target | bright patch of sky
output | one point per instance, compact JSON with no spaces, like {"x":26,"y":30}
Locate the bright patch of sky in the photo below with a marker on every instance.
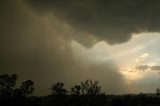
{"x":142,"y":49}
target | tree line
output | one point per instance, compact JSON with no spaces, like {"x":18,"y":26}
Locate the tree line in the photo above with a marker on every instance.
{"x":87,"y":93}
{"x":8,"y":87}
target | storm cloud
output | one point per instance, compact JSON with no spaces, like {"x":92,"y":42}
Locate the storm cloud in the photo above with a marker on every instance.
{"x":103,"y":20}
{"x":37,"y":47}
{"x":36,"y":39}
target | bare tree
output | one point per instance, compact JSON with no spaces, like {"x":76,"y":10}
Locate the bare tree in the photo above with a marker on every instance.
{"x":90,"y":87}
{"x":76,"y":89}
{"x":27,"y":87}
{"x":7,"y":84}
{"x":58,"y":89}
{"x":158,"y":91}
{"x":17,"y":93}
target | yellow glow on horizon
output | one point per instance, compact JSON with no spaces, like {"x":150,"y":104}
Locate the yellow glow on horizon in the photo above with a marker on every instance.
{"x":130,"y":74}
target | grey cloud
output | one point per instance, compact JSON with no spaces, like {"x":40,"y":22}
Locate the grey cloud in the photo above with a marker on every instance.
{"x":145,"y":67}
{"x":142,"y":67}
{"x":109,"y":20}
{"x":155,"y":68}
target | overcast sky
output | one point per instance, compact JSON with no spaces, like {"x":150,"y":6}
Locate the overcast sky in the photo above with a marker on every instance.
{"x":113,"y":41}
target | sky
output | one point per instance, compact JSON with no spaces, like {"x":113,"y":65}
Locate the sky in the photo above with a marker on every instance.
{"x":113,"y":41}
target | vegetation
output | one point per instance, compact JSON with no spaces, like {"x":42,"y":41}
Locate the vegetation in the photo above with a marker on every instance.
{"x":58,"y":89}
{"x":87,"y":93}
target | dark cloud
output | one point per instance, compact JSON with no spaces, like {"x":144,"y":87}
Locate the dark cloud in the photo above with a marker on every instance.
{"x":146,"y":67}
{"x":142,"y":67}
{"x":38,"y":48}
{"x":155,"y":68}
{"x":110,"y":20}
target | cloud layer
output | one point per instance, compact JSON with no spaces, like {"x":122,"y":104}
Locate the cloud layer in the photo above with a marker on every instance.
{"x":38,"y":48}
{"x":108,"y":20}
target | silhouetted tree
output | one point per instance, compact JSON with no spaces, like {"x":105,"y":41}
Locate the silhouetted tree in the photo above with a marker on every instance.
{"x":17,"y":93}
{"x":158,"y":91}
{"x":76,"y":90}
{"x":58,"y":89}
{"x":7,"y":84}
{"x":90,"y":87}
{"x":27,"y":87}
